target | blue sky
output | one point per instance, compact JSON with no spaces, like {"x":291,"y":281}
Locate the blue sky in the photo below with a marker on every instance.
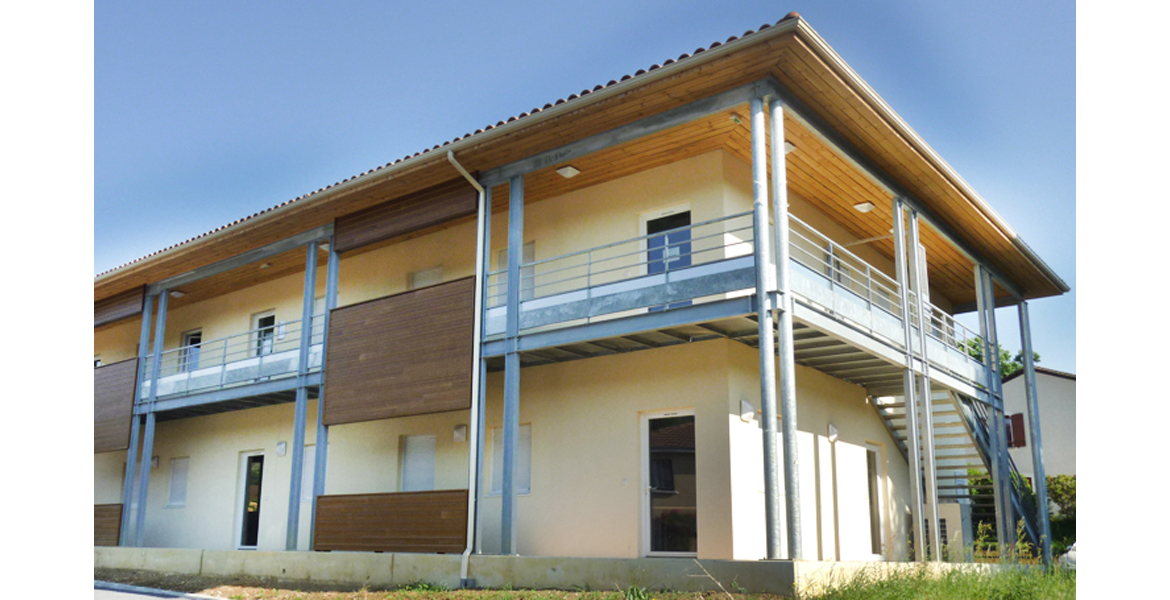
{"x":207,"y":112}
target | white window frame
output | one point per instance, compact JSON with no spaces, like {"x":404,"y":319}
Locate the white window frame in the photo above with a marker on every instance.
{"x":404,"y":459}
{"x":185,"y":349}
{"x":254,"y":348}
{"x":527,"y":274}
{"x":883,"y":521}
{"x":523,"y":459}
{"x":185,"y":471}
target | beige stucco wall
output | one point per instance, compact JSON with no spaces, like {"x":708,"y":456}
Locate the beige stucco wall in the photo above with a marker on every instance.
{"x":214,"y":445}
{"x":587,"y":483}
{"x":1057,"y":399}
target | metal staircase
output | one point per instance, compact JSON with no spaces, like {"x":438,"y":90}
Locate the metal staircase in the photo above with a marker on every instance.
{"x":962,"y":456}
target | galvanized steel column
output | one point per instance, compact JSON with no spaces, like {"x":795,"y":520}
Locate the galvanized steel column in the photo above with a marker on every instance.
{"x":1039,"y":482}
{"x":921,"y":287}
{"x":785,"y":346}
{"x":912,"y":450}
{"x":128,"y":480}
{"x":321,"y":453}
{"x":512,"y":366}
{"x":985,"y":300}
{"x":143,"y":483}
{"x":767,"y":349}
{"x":300,"y":414}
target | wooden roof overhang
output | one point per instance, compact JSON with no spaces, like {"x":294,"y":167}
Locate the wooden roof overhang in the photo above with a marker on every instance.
{"x":790,"y":52}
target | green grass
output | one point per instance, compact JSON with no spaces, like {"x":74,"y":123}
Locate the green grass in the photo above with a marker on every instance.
{"x":1005,"y":584}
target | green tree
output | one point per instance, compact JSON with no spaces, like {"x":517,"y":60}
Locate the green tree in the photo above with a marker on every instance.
{"x":1008,"y":364}
{"x":1062,"y":491}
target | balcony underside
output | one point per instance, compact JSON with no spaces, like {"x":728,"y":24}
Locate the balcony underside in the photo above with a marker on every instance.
{"x":821,"y":342}
{"x":266,"y":393}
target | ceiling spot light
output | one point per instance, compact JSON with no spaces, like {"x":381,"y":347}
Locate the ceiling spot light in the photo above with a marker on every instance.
{"x":177,"y":294}
{"x":568,"y":171}
{"x":864,"y":207}
{"x":789,"y":147}
{"x":735,"y":118}
{"x":265,"y":265}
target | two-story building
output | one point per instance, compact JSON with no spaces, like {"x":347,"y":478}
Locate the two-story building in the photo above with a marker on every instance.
{"x":682,"y":313}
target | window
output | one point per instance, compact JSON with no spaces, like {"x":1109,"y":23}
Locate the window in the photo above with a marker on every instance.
{"x":264,"y":332}
{"x":1015,"y":431}
{"x":425,"y":278}
{"x":307,"y":471}
{"x":178,"y":492}
{"x":523,"y":461}
{"x":872,"y":461}
{"x":527,"y":274}
{"x":418,"y":463}
{"x":189,"y":354}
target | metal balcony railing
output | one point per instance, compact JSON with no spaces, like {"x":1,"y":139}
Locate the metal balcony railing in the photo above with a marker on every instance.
{"x":650,"y":272}
{"x":260,"y":354}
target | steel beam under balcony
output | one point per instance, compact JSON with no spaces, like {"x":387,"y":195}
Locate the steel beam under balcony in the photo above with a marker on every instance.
{"x":234,"y":398}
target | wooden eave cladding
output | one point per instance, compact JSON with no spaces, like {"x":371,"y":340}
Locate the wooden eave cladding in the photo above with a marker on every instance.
{"x":107,"y":524}
{"x":424,"y":522}
{"x":791,"y":53}
{"x":410,"y":213}
{"x":115,"y":308}
{"x":113,"y":403}
{"x":401,"y":355}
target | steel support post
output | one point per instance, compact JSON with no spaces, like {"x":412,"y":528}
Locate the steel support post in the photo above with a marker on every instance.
{"x":1005,"y":483}
{"x":124,"y":537}
{"x":921,"y":286}
{"x":300,"y":414}
{"x":144,"y":479}
{"x":512,"y":367}
{"x":985,"y":301}
{"x":785,"y":346}
{"x":767,"y":349}
{"x":1039,"y":482}
{"x":143,"y":483}
{"x":913,"y":454}
{"x":321,"y":452}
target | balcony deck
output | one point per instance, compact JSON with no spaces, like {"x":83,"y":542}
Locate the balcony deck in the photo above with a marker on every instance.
{"x":623,"y":298}
{"x":259,"y":367}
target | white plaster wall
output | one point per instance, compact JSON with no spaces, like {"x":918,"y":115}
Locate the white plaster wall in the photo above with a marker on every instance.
{"x":1057,"y":398}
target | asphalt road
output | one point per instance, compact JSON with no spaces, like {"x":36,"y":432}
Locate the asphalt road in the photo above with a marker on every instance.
{"x":104,"y":590}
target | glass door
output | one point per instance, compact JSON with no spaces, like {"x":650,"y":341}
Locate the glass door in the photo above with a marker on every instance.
{"x":669,"y":511}
{"x":253,"y":476}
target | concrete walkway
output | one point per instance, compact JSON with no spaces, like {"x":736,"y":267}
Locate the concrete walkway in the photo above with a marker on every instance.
{"x":105,"y":590}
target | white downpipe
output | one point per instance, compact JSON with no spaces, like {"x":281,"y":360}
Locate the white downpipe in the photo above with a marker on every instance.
{"x":477,"y":331}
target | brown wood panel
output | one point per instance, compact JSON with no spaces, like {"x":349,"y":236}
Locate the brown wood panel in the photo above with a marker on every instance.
{"x":107,"y":524}
{"x":432,"y":522}
{"x":116,"y":308}
{"x":432,"y":206}
{"x":113,"y":403}
{"x":406,"y":354}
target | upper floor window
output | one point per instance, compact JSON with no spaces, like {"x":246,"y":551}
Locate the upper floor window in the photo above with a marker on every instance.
{"x":527,"y":274}
{"x":264,"y":336}
{"x":189,"y":354}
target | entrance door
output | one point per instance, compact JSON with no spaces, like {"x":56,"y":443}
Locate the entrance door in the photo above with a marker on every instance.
{"x":669,"y":251}
{"x":669,"y":515}
{"x":250,"y":481}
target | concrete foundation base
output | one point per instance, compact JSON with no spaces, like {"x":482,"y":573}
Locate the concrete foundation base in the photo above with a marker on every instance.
{"x":518,"y":572}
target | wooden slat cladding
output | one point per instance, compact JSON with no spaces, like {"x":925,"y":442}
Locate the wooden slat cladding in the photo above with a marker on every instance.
{"x":407,"y":354}
{"x":431,"y":522}
{"x":427,"y":208}
{"x":107,"y":524}
{"x":116,"y":308}
{"x":113,"y":403}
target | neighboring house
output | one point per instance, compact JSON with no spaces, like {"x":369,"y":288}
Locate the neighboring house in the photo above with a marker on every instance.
{"x":1057,"y":397}
{"x":378,"y":365}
